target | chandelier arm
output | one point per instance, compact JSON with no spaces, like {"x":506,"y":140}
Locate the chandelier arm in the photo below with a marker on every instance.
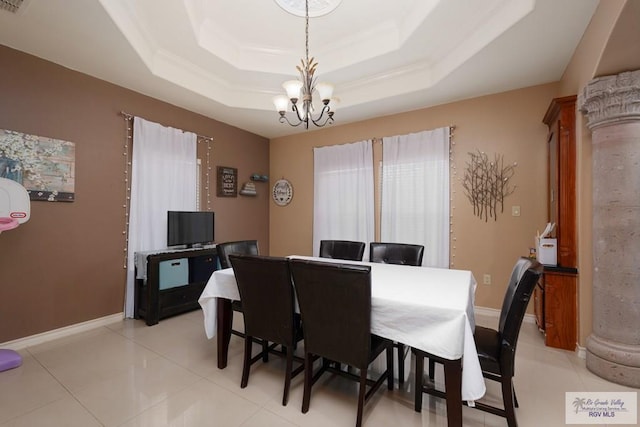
{"x":317,"y":123}
{"x":325,"y":109}
{"x":329,"y":118}
{"x":284,"y":118}
{"x":296,"y":110}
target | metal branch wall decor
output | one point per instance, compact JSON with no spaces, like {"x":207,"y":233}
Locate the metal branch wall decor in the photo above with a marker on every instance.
{"x":486,"y":183}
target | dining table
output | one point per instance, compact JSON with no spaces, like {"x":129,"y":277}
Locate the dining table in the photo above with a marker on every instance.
{"x":430,"y":309}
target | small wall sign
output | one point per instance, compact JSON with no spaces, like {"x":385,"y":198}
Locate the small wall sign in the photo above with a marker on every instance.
{"x":282,"y":192}
{"x":227,"y":182}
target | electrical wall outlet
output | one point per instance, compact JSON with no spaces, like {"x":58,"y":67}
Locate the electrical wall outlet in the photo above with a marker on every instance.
{"x":486,"y":279}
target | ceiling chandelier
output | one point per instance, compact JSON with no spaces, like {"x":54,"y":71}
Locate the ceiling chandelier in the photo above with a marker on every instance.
{"x":300,"y":92}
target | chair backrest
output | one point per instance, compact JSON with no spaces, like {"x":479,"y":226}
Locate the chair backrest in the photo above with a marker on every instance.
{"x":342,"y":249}
{"x":526,"y":273}
{"x":396,"y":253}
{"x":241,"y":247}
{"x":267,"y":297}
{"x":335,"y":305}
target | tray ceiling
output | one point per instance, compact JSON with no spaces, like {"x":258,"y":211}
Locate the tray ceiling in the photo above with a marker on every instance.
{"x":226,"y":59}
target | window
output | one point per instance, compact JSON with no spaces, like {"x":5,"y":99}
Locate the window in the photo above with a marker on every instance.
{"x":415,"y":193}
{"x":343,"y":193}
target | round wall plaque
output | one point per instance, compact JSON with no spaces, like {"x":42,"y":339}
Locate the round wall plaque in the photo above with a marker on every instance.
{"x":282,"y":192}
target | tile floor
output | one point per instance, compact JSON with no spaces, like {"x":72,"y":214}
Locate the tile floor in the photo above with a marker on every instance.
{"x":129,"y":374}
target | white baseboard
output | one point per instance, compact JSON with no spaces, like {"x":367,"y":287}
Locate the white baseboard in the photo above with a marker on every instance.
{"x":581,"y":352}
{"x":66,"y":331}
{"x":118,"y":317}
{"x":492,"y":312}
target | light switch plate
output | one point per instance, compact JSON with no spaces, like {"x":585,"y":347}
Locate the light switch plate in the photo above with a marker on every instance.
{"x":515,"y":210}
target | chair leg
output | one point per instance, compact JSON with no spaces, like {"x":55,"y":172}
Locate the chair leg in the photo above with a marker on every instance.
{"x":418,"y":382}
{"x":362,"y":391}
{"x":308,"y":379}
{"x":390,"y":368}
{"x":265,"y":351}
{"x":287,"y":375}
{"x":432,"y":370}
{"x":515,"y":398}
{"x":453,"y":387}
{"x":508,"y":401}
{"x":246,"y":366}
{"x":400,"y":347}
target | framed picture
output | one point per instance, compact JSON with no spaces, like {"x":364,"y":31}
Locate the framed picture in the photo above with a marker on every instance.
{"x":227,"y":182}
{"x":44,"y":166}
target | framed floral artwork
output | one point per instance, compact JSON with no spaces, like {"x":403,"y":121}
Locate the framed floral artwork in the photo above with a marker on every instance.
{"x":44,"y":166}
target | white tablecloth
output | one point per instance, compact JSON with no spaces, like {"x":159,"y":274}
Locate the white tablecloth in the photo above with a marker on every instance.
{"x":430,"y":309}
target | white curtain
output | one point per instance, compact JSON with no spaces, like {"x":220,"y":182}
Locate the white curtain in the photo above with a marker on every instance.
{"x":163,"y":178}
{"x":343,"y":206}
{"x":415,"y":193}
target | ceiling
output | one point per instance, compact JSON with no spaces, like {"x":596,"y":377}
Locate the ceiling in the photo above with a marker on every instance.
{"x":227,"y":59}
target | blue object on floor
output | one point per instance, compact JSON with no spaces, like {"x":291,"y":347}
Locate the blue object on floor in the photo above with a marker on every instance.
{"x":9,"y":359}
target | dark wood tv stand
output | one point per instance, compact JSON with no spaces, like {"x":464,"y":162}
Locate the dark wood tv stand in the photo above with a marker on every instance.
{"x":153,"y":303}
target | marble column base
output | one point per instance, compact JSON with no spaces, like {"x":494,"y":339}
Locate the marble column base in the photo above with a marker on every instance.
{"x":615,"y":362}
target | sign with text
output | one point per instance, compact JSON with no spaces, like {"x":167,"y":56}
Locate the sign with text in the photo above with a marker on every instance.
{"x":601,"y":407}
{"x":227,"y":182}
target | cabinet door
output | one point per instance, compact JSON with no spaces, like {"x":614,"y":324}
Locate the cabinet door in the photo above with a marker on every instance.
{"x":567,"y":243}
{"x":560,"y":118}
{"x":560,"y":310}
{"x":538,"y":305}
{"x":552,"y":191}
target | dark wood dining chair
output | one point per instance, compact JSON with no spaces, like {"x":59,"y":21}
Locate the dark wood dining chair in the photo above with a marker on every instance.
{"x":335,"y":305}
{"x":396,"y":253}
{"x":402,"y":254}
{"x":239,"y":247}
{"x":496,"y":348}
{"x":267,"y":298}
{"x":342,"y":249}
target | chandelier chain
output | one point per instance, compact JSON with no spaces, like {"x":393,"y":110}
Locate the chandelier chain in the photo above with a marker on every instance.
{"x":306,"y":30}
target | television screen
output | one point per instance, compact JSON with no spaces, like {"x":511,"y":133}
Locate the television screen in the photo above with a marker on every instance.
{"x":189,"y":228}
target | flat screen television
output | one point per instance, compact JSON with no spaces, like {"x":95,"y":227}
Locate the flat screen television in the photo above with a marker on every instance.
{"x":190,"y":228}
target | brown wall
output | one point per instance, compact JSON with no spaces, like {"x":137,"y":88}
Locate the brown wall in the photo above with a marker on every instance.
{"x":498,"y":123}
{"x":65,"y":265}
{"x":43,"y":286}
{"x":509,"y":124}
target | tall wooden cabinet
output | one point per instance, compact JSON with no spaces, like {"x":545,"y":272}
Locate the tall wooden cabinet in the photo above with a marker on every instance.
{"x":555,"y":297}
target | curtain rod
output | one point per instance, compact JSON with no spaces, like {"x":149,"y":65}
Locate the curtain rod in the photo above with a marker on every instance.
{"x":378,"y":139}
{"x":128,"y":116}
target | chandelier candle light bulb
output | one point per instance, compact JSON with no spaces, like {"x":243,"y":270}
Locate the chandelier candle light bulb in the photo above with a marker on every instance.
{"x":325,"y":90}
{"x":303,"y":90}
{"x":293,"y":89}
